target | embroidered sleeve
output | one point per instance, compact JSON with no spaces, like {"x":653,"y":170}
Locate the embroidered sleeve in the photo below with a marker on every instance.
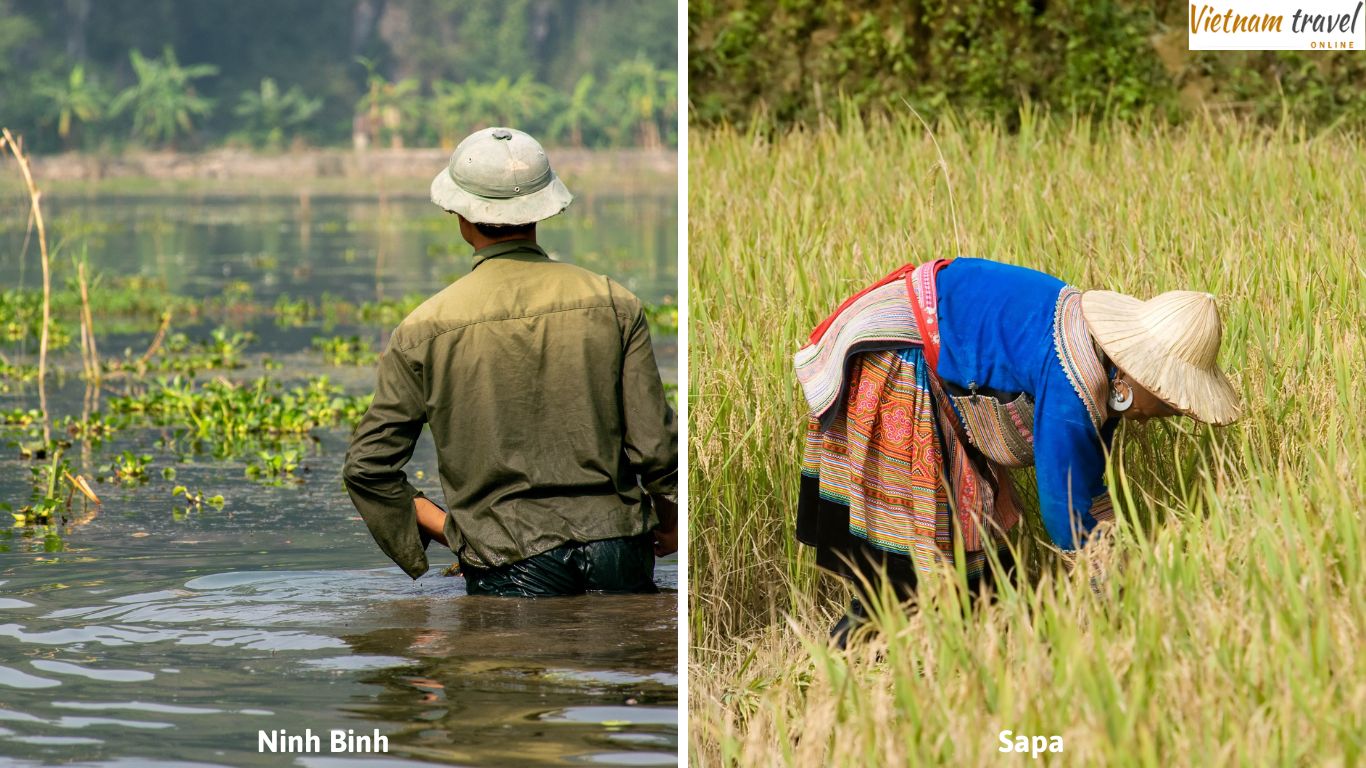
{"x":1077,"y":356}
{"x":879,"y":319}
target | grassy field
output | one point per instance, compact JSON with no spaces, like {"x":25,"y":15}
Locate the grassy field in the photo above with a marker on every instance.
{"x":1228,"y":630}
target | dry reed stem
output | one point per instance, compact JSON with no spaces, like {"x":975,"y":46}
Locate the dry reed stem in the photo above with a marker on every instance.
{"x":35,"y":197}
{"x":156,"y":340}
{"x":90,"y":355}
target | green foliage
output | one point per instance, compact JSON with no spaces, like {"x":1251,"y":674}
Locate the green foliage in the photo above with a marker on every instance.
{"x":70,"y":101}
{"x":663,"y":319}
{"x":345,"y":350}
{"x":223,"y":350}
{"x":130,"y":468}
{"x":163,"y":101}
{"x":21,"y":320}
{"x":458,"y":109}
{"x":292,"y":313}
{"x":267,"y":113}
{"x":196,"y":500}
{"x":226,"y":415}
{"x":781,"y":62}
{"x":388,"y":108}
{"x":644,"y":98}
{"x":388,"y":312}
{"x":47,"y":498}
{"x":504,"y":61}
{"x":276,"y":467}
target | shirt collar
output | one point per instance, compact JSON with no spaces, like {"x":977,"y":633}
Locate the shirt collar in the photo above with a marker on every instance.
{"x":508,"y":247}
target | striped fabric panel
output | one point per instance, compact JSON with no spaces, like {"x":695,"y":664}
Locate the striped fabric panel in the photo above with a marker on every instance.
{"x":1102,"y":508}
{"x":883,"y":458}
{"x":882,"y":315}
{"x":1077,"y":354}
{"x":1004,"y":432}
{"x":812,"y":447}
{"x":893,"y":455}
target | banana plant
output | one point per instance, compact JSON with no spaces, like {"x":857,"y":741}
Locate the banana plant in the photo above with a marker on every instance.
{"x":75,"y":100}
{"x":163,"y":101}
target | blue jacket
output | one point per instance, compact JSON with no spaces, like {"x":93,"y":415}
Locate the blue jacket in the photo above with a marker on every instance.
{"x":997,"y":331}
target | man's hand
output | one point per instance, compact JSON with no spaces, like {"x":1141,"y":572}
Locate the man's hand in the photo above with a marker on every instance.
{"x":431,"y":519}
{"x":666,"y":533}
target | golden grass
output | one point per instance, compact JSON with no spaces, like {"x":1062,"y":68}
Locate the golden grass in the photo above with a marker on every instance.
{"x":1229,"y":627}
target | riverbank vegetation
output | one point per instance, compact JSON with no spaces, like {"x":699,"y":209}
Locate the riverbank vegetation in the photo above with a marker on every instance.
{"x":1226,"y":629}
{"x":772,"y":64}
{"x":105,"y":76}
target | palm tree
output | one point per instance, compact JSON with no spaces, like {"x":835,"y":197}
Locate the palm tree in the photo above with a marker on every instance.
{"x":268,"y":112}
{"x":528,"y":103}
{"x":644,"y":95}
{"x":385,"y":105}
{"x":163,"y":101}
{"x":449,"y":108}
{"x":576,"y":113}
{"x":76,"y":100}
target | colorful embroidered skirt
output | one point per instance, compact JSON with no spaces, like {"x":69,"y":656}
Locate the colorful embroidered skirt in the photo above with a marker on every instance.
{"x":889,"y":483}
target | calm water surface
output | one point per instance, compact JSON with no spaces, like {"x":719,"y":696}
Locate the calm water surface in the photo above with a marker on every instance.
{"x":138,"y":636}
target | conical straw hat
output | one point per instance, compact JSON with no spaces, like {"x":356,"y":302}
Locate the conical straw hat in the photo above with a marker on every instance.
{"x":1169,"y":344}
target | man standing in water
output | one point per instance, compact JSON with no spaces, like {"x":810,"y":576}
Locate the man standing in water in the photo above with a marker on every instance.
{"x":557,"y":450}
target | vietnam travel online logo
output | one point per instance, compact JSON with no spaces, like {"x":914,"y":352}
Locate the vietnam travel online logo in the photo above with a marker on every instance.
{"x":1262,"y":25}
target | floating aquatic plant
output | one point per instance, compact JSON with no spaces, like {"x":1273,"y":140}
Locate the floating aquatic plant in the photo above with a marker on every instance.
{"x":223,"y":413}
{"x":196,"y":500}
{"x":276,"y":467}
{"x":345,"y":350}
{"x":130,"y":468}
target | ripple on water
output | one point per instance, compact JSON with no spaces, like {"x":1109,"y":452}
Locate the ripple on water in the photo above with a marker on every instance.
{"x":138,"y":706}
{"x":612,"y":677}
{"x":56,"y":741}
{"x":260,"y":640}
{"x":10,"y":603}
{"x":15,"y":679}
{"x":358,"y":762}
{"x":108,"y":675}
{"x":615,"y":715}
{"x":356,"y":663}
{"x":69,"y":721}
{"x":627,"y":758}
{"x":262,"y":598}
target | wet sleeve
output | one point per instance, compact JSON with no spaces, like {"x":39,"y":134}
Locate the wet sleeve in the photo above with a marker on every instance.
{"x":1069,"y":459}
{"x":381,"y":445}
{"x":650,"y":428}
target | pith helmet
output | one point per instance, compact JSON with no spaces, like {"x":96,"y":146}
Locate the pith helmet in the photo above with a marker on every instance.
{"x":1170,"y":345}
{"x":500,"y":176}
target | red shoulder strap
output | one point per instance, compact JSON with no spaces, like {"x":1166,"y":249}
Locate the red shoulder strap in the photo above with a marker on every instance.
{"x":924,"y":295}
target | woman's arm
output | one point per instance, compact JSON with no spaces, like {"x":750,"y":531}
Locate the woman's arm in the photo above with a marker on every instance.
{"x":1069,"y":461}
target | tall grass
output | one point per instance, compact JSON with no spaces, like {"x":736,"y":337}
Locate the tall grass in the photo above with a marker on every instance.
{"x":1229,"y":628}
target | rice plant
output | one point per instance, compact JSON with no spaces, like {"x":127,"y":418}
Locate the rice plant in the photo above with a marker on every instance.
{"x":1227,"y":629}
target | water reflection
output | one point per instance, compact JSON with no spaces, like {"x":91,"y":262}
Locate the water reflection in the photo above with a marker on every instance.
{"x":513,"y":681}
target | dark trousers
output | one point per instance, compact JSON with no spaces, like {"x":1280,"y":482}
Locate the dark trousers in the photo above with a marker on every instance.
{"x":622,"y":565}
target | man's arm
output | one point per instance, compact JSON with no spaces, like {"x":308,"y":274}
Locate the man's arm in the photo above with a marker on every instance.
{"x":650,"y":429}
{"x":431,"y":519}
{"x":381,"y":445}
{"x":666,"y":533}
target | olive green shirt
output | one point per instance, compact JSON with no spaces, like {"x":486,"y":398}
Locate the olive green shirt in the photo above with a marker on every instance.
{"x":539,"y":383}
